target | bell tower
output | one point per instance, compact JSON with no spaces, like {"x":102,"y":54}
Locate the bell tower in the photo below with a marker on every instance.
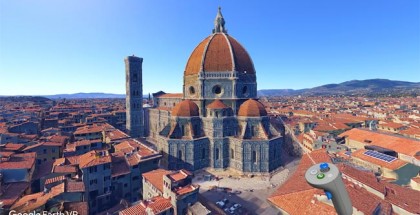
{"x":134,"y":96}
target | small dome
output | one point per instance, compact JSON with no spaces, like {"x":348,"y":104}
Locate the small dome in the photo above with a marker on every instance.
{"x":252,"y":108}
{"x":217,"y":104}
{"x":185,"y":108}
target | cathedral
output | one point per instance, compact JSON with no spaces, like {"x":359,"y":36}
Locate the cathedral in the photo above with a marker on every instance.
{"x":217,"y":122}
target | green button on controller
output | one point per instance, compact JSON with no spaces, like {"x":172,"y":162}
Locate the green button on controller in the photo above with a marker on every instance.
{"x":320,"y":176}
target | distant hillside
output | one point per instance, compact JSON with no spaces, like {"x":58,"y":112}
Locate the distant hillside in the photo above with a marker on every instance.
{"x":36,"y":99}
{"x":354,"y":87}
{"x":369,"y":87}
{"x":86,"y":96}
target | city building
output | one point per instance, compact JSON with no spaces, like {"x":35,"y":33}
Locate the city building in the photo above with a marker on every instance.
{"x":368,"y":193}
{"x":404,"y":148}
{"x":134,"y":96}
{"x":219,"y":123}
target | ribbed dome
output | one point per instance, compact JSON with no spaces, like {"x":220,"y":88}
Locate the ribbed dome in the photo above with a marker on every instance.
{"x":252,"y":108}
{"x":217,"y":104}
{"x":185,"y":108}
{"x":219,"y":53}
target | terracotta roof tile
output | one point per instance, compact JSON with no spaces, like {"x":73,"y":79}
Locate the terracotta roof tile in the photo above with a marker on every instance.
{"x":155,"y":177}
{"x":12,"y":192}
{"x":214,"y":54}
{"x":75,"y":186}
{"x":217,"y":57}
{"x":243,"y":61}
{"x":47,"y":144}
{"x":95,"y":128}
{"x":392,"y":125}
{"x":299,"y":183}
{"x":19,"y":161}
{"x":33,"y":201}
{"x":65,"y":169}
{"x":411,"y":131}
{"x":94,"y":158}
{"x":13,"y":146}
{"x":179,"y":175}
{"x":194,"y":62}
{"x":186,"y":108}
{"x":136,"y":151}
{"x":157,"y":205}
{"x":171,"y":95}
{"x":362,"y":199}
{"x":302,"y":202}
{"x":119,"y":165}
{"x":55,"y":179}
{"x":217,"y":104}
{"x":396,"y":164}
{"x":252,"y":108}
{"x":58,"y":139}
{"x":367,"y":178}
{"x":401,"y":145}
{"x":185,"y":190}
{"x":138,"y":209}
{"x":405,"y":198}
{"x":116,"y":135}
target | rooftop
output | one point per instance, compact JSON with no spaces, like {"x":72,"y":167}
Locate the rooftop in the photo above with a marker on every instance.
{"x":401,"y":145}
{"x":94,"y":158}
{"x":19,"y":161}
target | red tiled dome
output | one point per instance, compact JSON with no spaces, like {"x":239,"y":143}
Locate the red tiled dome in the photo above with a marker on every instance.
{"x":252,"y":108}
{"x":219,"y":53}
{"x":185,"y":108}
{"x":217,"y":104}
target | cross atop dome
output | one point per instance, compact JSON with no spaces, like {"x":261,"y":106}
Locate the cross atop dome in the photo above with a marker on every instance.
{"x":219,"y":23}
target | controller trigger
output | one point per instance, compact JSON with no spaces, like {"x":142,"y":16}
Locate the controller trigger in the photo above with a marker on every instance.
{"x":329,"y":195}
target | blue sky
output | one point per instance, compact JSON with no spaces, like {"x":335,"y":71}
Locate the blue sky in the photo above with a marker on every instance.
{"x":51,"y":47}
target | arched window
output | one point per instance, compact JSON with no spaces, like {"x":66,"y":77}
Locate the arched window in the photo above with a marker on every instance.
{"x":245,"y":90}
{"x":232,"y":154}
{"x":183,"y":130}
{"x":217,"y":154}
{"x":254,"y":156}
{"x":252,"y":130}
{"x":180,"y":154}
{"x":192,"y":90}
{"x":197,"y":131}
{"x":203,"y":153}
